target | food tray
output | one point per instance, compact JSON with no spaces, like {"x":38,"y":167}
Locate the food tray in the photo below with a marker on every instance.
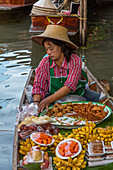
{"x":108,"y":157}
{"x":69,"y":123}
{"x":96,"y":154}
{"x":95,"y":159}
{"x":108,"y":151}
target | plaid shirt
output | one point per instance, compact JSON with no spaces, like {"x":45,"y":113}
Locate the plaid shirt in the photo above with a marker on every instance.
{"x":42,"y":77}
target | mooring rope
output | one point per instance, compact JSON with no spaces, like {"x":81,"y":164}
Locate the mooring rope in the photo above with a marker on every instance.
{"x":53,"y":22}
{"x":62,"y":19}
{"x":78,"y":17}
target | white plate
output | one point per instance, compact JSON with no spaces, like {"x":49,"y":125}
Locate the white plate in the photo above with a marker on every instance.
{"x":31,"y":136}
{"x":66,"y":140}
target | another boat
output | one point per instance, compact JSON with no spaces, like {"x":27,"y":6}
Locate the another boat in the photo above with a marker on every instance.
{"x":92,"y":81}
{"x":10,"y":5}
{"x":45,"y":12}
{"x":39,"y":23}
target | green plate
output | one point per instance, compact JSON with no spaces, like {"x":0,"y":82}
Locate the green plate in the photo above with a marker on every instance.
{"x":67,"y":122}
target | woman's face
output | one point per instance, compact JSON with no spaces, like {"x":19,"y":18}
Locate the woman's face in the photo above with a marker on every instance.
{"x":54,"y":51}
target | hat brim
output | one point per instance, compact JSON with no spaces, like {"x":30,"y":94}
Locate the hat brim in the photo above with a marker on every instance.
{"x":39,"y":39}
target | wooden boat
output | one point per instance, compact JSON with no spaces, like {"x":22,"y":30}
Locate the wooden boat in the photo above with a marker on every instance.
{"x":8,"y":5}
{"x":39,"y":23}
{"x":93,"y":83}
{"x":66,"y":18}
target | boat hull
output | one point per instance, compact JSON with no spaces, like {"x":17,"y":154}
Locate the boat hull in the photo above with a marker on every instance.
{"x":7,"y":5}
{"x":40,"y":22}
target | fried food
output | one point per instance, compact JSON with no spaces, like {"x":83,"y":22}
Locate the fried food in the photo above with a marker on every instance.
{"x":89,"y":112}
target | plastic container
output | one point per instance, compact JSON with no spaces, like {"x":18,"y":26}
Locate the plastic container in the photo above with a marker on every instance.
{"x":96,"y":148}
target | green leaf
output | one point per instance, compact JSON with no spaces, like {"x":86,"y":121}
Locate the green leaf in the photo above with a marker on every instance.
{"x":34,"y":166}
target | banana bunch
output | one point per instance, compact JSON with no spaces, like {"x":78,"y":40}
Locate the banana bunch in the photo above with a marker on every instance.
{"x":105,"y":134}
{"x":76,"y":163}
{"x":58,"y":138}
{"x":84,"y":134}
{"x":26,"y":145}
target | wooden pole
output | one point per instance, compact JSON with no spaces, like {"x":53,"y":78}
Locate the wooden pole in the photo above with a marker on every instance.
{"x":85,"y":22}
{"x":81,"y":6}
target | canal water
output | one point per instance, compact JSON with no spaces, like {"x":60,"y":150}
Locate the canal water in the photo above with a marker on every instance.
{"x":16,"y":62}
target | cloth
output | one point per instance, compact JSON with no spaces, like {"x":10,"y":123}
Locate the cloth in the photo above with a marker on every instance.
{"x":91,"y":95}
{"x":42,"y":78}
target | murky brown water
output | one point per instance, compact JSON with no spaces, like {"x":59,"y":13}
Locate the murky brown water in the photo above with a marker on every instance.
{"x":15,"y":63}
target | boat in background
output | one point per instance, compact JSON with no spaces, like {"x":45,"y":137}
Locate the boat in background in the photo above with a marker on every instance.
{"x":8,"y":5}
{"x":44,"y":12}
{"x":39,"y":23}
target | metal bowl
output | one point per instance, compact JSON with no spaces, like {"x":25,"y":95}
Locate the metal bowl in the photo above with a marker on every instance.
{"x":71,"y":98}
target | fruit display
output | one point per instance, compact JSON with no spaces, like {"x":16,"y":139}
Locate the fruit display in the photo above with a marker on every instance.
{"x":71,"y":163}
{"x":85,"y":135}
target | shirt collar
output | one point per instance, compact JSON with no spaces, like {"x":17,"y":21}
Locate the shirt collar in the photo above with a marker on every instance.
{"x":64,"y":64}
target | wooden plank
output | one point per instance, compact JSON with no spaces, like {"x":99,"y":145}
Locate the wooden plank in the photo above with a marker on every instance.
{"x":84,"y":23}
{"x":81,"y":23}
{"x":15,"y":148}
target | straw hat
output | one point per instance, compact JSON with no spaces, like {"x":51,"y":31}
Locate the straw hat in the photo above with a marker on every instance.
{"x":45,"y":4}
{"x":44,"y":7}
{"x":55,"y":32}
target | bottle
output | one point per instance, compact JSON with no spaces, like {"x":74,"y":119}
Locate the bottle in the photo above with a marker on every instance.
{"x":83,"y":63}
{"x":28,"y":92}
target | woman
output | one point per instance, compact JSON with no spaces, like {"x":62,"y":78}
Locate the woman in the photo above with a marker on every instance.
{"x":59,"y":73}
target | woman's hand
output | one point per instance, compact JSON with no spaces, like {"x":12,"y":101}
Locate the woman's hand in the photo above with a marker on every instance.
{"x":44,"y":104}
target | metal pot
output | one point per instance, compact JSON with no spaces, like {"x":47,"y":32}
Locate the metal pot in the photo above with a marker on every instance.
{"x":71,"y":98}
